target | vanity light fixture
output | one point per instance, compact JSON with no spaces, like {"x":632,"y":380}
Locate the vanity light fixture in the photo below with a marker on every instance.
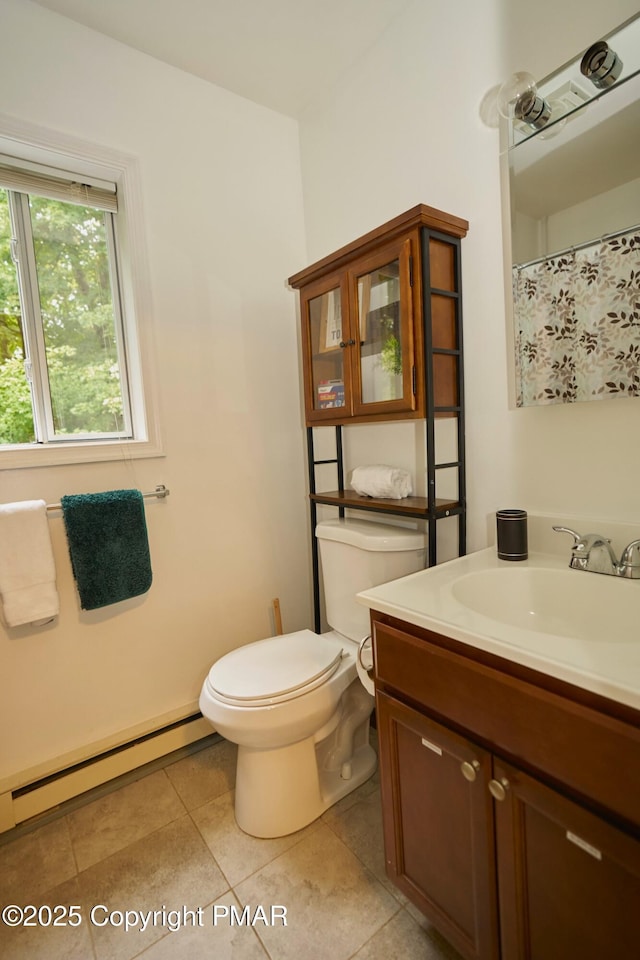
{"x":518,"y":99}
{"x":601,"y":65}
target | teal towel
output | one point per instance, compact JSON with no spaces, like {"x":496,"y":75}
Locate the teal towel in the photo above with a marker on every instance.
{"x":108,"y":545}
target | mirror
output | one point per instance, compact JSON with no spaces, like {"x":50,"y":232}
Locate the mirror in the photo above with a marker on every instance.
{"x":573,"y":167}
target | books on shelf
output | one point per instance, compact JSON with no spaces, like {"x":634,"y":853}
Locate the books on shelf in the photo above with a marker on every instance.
{"x":330,"y":394}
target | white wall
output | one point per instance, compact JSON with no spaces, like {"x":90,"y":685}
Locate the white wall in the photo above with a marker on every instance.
{"x":223,"y":214}
{"x":404,"y":128}
{"x":604,"y":213}
{"x":576,"y":224}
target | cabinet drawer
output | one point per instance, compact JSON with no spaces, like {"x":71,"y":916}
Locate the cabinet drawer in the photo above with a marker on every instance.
{"x":590,"y":754}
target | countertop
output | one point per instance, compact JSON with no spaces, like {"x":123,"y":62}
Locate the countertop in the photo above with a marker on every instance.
{"x":609,"y":667}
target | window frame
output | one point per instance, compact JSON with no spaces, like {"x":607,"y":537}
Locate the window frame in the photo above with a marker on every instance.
{"x":33,"y":330}
{"x":35,"y":145}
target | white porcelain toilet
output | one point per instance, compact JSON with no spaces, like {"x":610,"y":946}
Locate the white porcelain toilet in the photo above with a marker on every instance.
{"x":294,"y":703}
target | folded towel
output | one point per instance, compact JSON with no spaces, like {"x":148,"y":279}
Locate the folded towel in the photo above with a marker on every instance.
{"x":27,"y":567}
{"x":379,"y":480}
{"x":108,"y":545}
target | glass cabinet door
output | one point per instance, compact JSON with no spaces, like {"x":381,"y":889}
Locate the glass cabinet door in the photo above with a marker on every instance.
{"x":382,"y":288}
{"x":325,"y":351}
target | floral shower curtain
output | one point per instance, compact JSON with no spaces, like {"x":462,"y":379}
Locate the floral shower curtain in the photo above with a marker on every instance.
{"x":577,"y":320}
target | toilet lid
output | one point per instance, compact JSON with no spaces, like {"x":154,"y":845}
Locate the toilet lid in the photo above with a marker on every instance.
{"x":276,"y":669}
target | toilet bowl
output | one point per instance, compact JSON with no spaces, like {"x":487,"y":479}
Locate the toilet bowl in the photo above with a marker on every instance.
{"x":294,"y":704}
{"x":283,"y":780}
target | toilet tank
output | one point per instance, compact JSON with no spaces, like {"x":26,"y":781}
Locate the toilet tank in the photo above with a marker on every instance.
{"x":356,"y":555}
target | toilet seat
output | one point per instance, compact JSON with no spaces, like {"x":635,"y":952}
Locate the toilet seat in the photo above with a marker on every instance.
{"x":274,"y":670}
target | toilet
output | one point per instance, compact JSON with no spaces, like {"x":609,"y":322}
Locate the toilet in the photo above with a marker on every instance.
{"x":294,"y":704}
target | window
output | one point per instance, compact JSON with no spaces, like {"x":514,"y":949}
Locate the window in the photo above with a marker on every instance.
{"x":76,"y":378}
{"x":63,"y":372}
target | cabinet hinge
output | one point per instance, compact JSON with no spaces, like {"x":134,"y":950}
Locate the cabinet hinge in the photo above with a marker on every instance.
{"x":413,"y":380}
{"x":411,"y":271}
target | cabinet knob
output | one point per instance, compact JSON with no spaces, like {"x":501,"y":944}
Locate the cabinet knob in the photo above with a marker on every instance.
{"x":498,"y":788}
{"x":469,"y":770}
{"x":347,"y":343}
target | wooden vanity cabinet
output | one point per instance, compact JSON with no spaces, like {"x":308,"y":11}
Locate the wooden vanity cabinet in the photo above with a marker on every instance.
{"x":511,"y":802}
{"x":569,"y":881}
{"x":438,"y":845}
{"x":366,"y":312}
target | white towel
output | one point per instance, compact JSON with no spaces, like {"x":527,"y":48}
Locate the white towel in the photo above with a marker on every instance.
{"x":380,"y":480}
{"x":27,"y":568}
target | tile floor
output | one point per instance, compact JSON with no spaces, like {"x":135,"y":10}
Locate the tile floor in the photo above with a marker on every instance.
{"x":168,"y":842}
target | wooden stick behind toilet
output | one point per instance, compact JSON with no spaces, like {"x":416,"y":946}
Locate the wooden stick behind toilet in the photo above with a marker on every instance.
{"x":277,"y":617}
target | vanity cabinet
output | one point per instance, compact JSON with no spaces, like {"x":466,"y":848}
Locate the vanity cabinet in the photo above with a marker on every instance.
{"x":369,"y":313}
{"x":438,"y":844}
{"x":511,"y":802}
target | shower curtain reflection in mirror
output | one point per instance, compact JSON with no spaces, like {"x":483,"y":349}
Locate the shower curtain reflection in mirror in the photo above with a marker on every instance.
{"x":577,"y":323}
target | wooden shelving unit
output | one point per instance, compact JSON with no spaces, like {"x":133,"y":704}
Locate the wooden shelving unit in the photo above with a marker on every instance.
{"x":432,"y":287}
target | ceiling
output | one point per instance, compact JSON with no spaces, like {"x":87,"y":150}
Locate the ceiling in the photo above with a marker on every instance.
{"x":280,"y":53}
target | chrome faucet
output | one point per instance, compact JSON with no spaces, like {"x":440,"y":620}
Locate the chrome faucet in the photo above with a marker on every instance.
{"x":604,"y":559}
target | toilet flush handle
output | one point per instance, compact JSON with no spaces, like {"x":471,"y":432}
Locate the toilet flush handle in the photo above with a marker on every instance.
{"x":367,"y":669}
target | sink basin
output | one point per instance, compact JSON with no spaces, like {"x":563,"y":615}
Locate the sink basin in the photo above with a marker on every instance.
{"x":565,"y":603}
{"x":579,"y":627}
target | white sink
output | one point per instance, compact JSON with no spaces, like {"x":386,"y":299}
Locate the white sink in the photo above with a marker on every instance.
{"x":565,"y":603}
{"x":580,"y":627}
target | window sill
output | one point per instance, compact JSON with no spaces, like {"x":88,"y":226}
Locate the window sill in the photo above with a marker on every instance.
{"x":83,"y":451}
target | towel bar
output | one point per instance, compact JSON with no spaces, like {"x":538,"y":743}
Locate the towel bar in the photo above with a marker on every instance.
{"x":159,"y":493}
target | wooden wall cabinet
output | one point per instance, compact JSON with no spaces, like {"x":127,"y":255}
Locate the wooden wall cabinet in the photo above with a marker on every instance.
{"x":511,"y":802}
{"x":370,"y":311}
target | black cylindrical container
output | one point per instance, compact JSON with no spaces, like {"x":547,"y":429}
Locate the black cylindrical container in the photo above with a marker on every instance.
{"x":511,"y":527}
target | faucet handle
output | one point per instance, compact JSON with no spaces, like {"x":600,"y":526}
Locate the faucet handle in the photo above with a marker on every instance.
{"x":626,"y":567}
{"x":576,"y":536}
{"x":585,"y":541}
{"x":628,"y":550}
{"x":581,"y":551}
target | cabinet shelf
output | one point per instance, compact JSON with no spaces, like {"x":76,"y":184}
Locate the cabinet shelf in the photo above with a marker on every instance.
{"x":416,"y":507}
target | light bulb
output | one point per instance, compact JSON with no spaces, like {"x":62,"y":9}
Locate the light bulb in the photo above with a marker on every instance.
{"x":518,"y":100}
{"x":512,"y":90}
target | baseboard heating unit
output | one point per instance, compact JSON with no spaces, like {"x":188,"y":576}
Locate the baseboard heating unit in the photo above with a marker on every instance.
{"x":72,"y":776}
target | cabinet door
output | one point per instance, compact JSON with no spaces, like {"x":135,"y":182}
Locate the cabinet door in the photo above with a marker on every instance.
{"x":325,"y":341}
{"x":437,"y":825}
{"x":569,"y":883}
{"x":385,"y":328}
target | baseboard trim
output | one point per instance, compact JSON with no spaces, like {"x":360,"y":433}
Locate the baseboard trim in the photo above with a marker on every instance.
{"x":48,"y":791}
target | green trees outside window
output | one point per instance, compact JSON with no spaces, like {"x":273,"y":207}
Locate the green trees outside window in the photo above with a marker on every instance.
{"x":60,"y":369}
